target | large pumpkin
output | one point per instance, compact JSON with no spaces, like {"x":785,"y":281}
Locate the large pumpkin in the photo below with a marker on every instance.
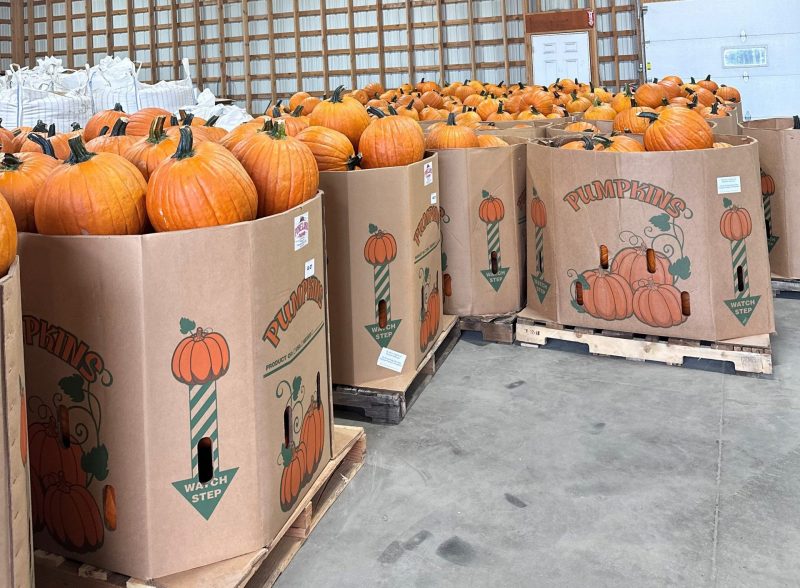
{"x":619,"y":144}
{"x":8,"y":237}
{"x":332,"y":150}
{"x":104,"y":118}
{"x":729,"y":93}
{"x":291,"y":480}
{"x":451,"y":136}
{"x":651,"y":95}
{"x":200,"y":358}
{"x":200,"y":186}
{"x":677,"y":129}
{"x":600,"y":111}
{"x":622,"y":100}
{"x":381,"y":248}
{"x":608,"y":297}
{"x":50,"y":456}
{"x":139,"y":122}
{"x":116,"y":141}
{"x":283,"y":169}
{"x":391,"y":141}
{"x":629,"y":121}
{"x":22,"y":178}
{"x":634,"y":265}
{"x":541,"y":100}
{"x":149,"y":152}
{"x":658,"y":305}
{"x":581,"y":127}
{"x":7,"y":139}
{"x":736,"y":224}
{"x":343,"y":114}
{"x":487,"y":141}
{"x":72,"y":517}
{"x":92,"y":194}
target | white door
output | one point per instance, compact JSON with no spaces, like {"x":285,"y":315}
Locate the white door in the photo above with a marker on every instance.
{"x":562,"y":55}
{"x":750,"y":45}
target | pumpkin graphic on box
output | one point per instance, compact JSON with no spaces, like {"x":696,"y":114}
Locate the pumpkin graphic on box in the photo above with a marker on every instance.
{"x":604,"y":294}
{"x":72,"y":517}
{"x":658,"y":305}
{"x":634,"y":264}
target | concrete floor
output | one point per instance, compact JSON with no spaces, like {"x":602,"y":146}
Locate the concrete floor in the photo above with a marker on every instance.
{"x":526,"y":467}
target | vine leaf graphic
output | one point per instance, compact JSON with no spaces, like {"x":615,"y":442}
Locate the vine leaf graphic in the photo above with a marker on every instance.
{"x":297,"y":383}
{"x":726,"y":202}
{"x":372,"y":229}
{"x":95,"y":462}
{"x":681,"y":268}
{"x":578,"y":307}
{"x":72,"y":386}
{"x":661,"y":222}
{"x":187,"y":326}
{"x":286,"y":455}
{"x":582,"y":281}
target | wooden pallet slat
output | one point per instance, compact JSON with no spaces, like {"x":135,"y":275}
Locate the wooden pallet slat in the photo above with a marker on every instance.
{"x":499,"y":328}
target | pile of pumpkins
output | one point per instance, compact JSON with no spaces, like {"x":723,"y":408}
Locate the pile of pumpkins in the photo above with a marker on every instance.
{"x":670,"y":115}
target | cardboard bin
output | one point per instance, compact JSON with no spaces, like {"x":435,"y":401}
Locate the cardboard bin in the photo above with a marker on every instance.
{"x":779,"y":151}
{"x":667,"y":244}
{"x":483,"y":228}
{"x":16,"y":561}
{"x":178,"y":389}
{"x":385,"y":271}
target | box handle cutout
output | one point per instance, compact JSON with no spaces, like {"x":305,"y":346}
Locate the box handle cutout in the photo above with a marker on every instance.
{"x":540,"y":262}
{"x":769,"y":228}
{"x":287,"y":423}
{"x":205,"y":460}
{"x":382,"y":316}
{"x":63,"y":426}
{"x":319,"y":392}
{"x":110,"y":507}
{"x":579,"y":293}
{"x":740,"y":279}
{"x":686,"y":305}
{"x":495,"y":262}
{"x":603,"y":257}
{"x":651,"y":261}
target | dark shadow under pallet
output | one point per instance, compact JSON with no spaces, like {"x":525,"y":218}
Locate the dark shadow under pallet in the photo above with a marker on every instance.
{"x":493,"y":328}
{"x":385,"y":406}
{"x":749,"y":355}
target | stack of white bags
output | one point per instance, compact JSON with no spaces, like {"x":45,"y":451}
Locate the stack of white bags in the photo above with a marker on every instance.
{"x":51,"y":93}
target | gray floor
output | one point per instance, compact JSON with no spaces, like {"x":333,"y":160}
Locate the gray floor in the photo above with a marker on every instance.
{"x":526,"y":467}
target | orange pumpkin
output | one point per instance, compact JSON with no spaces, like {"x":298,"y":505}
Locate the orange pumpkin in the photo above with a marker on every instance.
{"x":767,"y":184}
{"x":703,"y":96}
{"x":7,"y":139}
{"x":22,"y":178}
{"x":674,"y":79}
{"x":729,"y":93}
{"x":677,"y":129}
{"x":487,"y":141}
{"x":581,"y":127}
{"x":149,"y":152}
{"x":391,"y":141}
{"x":500,"y":114}
{"x":451,"y":136}
{"x":708,"y":84}
{"x":210,"y":131}
{"x":578,"y":104}
{"x":104,"y":118}
{"x":622,"y":100}
{"x":199,"y":186}
{"x":312,"y":435}
{"x":573,"y":143}
{"x":8,"y":237}
{"x":116,"y":141}
{"x":241,"y":132}
{"x":736,"y":224}
{"x":200,"y":358}
{"x":541,"y":100}
{"x":608,"y":296}
{"x":619,"y":144}
{"x":139,"y":122}
{"x":600,"y":111}
{"x":409,"y":112}
{"x":672,"y":89}
{"x":373,"y":88}
{"x":650,"y":94}
{"x":380,"y":248}
{"x":530,"y":114}
{"x":629,"y":121}
{"x":331,"y":149}
{"x":72,"y":517}
{"x":491,"y":209}
{"x":343,"y":114}
{"x":425,"y":331}
{"x":92,"y":194}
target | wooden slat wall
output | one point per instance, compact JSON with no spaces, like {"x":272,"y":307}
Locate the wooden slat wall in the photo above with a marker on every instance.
{"x":5,"y":34}
{"x":251,"y":49}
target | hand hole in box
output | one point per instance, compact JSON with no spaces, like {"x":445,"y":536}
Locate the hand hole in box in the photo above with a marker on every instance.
{"x":686,"y":305}
{"x":63,"y":426}
{"x":205,"y":460}
{"x":579,"y":293}
{"x":382,"y":315}
{"x":495,"y":262}
{"x":740,"y":279}
{"x":651,"y":261}
{"x":110,"y":507}
{"x":603,"y":257}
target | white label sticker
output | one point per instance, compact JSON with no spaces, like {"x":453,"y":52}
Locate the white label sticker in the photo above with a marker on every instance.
{"x":393,"y":360}
{"x":729,"y":185}
{"x":300,"y":231}
{"x":428,"y":173}
{"x":434,"y":198}
{"x":309,"y":268}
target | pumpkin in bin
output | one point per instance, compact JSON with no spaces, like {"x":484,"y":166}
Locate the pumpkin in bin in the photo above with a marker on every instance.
{"x":650,"y":94}
{"x":283,"y":169}
{"x":72,"y":517}
{"x":51,"y":456}
{"x":199,"y":186}
{"x":139,"y":122}
{"x":8,"y":237}
{"x":608,"y":296}
{"x":619,"y":144}
{"x":729,"y":93}
{"x":676,"y":129}
{"x":658,"y":305}
{"x":600,"y":111}
{"x":149,"y":152}
{"x":451,"y":136}
{"x":629,"y":121}
{"x":331,"y":149}
{"x":104,"y":118}
{"x":581,"y":127}
{"x":391,"y":141}
{"x":341,"y":113}
{"x":92,"y":194}
{"x":200,"y":358}
{"x":639,"y":264}
{"x":736,"y":224}
{"x":491,"y":141}
{"x":114,"y":140}
{"x":22,"y":178}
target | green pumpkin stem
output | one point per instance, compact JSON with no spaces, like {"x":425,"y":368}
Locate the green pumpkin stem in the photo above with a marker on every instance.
{"x":376,"y":112}
{"x":267,"y":126}
{"x":337,"y":94}
{"x":10,"y":162}
{"x":278,"y":131}
{"x":118,"y":107}
{"x":119,"y":127}
{"x":75,"y":126}
{"x":212,"y":121}
{"x":103,"y":131}
{"x":39,"y":127}
{"x":297,"y":112}
{"x":715,"y":108}
{"x":451,"y":119}
{"x":411,"y":106}
{"x":604,"y":141}
{"x":499,"y":108}
{"x":157,"y":133}
{"x":78,"y":151}
{"x":354,"y":162}
{"x":51,"y":130}
{"x":185,"y":145}
{"x":44,"y":144}
{"x":651,"y":116}
{"x":708,"y":78}
{"x":391,"y":110}
{"x":796,"y":120}
{"x":187,"y":120}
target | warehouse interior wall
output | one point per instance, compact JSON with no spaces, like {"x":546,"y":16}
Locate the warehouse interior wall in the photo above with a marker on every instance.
{"x":254,"y":51}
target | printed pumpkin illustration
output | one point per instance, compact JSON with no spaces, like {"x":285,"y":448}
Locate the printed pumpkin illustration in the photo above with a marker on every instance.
{"x":381,"y":248}
{"x":23,"y":424}
{"x":658,"y":305}
{"x":491,"y":209}
{"x":72,"y":517}
{"x":312,"y":434}
{"x":538,"y":212}
{"x":51,"y":457}
{"x":736,"y":224}
{"x":637,"y":265}
{"x":200,"y":358}
{"x":605,"y":295}
{"x":291,"y":479}
{"x":37,"y":503}
{"x":434,"y":307}
{"x":767,"y":184}
{"x":430,"y":313}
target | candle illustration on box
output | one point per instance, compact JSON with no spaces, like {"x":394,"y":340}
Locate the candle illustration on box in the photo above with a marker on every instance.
{"x":736,"y":226}
{"x":200,"y":359}
{"x":539,"y":218}
{"x":491,"y":211}
{"x":380,"y":250}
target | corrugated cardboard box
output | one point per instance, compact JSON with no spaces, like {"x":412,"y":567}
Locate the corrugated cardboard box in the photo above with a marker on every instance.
{"x":178,"y":389}
{"x":16,"y":562}
{"x":668,"y":244}
{"x":483,"y":228}
{"x":779,"y":151}
{"x":385,"y":270}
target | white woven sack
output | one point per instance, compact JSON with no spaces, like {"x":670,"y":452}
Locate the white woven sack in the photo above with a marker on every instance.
{"x":230,"y":117}
{"x":113,"y":81}
{"x":170,"y":96}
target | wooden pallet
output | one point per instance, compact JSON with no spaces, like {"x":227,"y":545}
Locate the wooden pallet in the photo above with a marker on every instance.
{"x":387,"y":401}
{"x":495,"y":328}
{"x":781,"y":285}
{"x":749,"y":355}
{"x":260,"y":568}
